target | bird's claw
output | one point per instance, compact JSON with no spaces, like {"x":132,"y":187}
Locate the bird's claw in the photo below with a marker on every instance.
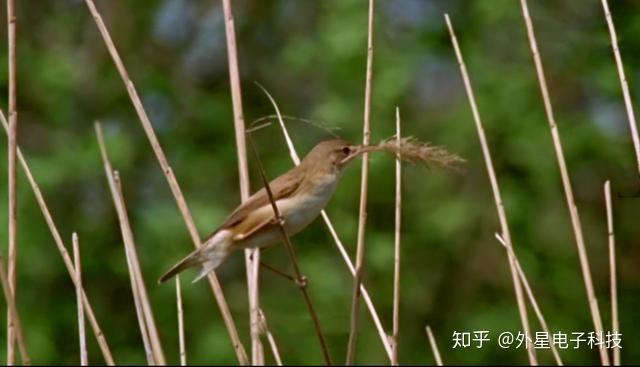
{"x":278,"y":221}
{"x":302,"y":282}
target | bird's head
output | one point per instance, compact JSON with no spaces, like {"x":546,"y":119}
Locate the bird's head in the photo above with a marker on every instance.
{"x":331,"y":156}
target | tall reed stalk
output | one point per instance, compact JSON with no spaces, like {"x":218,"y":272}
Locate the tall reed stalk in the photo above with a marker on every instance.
{"x":181,"y":340}
{"x":615,"y":322}
{"x":11,"y":176}
{"x":82,"y":337}
{"x":364,"y":186}
{"x":252,"y":256}
{"x":396,"y":257}
{"x":495,"y":188}
{"x":532,"y":298}
{"x":147,"y":322}
{"x":631,"y":116}
{"x":566,"y":180}
{"x":11,"y":307}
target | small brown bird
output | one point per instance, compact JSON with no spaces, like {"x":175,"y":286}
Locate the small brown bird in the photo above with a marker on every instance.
{"x":300,"y":195}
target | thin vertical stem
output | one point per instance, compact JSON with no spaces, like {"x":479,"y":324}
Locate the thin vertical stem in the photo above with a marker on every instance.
{"x":236,"y":98}
{"x":84,"y":359}
{"x":270,"y":338}
{"x":148,"y":327}
{"x":364,"y":185}
{"x":633,"y":127}
{"x":142,"y":324}
{"x":434,"y":346}
{"x":396,"y":262}
{"x":301,"y":280}
{"x":386,"y":343}
{"x":171,"y":180}
{"x":11,"y":306}
{"x":130,"y":249}
{"x":532,"y":298}
{"x":495,"y":188}
{"x":615,"y":323}
{"x":566,"y":181}
{"x":11,"y":174}
{"x":181,"y":340}
{"x":95,"y":327}
{"x":252,"y":256}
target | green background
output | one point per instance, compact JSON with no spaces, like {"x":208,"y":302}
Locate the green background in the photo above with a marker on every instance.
{"x":311,"y":56}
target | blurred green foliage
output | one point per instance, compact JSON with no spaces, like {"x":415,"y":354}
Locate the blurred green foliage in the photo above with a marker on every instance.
{"x":311,"y":56}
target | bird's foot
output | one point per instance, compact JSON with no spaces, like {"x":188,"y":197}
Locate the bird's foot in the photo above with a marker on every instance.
{"x":302,"y":281}
{"x":278,"y":221}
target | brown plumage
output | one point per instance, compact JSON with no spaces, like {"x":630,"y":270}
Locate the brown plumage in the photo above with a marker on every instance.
{"x":300,"y":194}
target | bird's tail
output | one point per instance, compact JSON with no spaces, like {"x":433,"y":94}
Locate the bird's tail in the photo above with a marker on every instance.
{"x":210,"y":255}
{"x":190,"y":260}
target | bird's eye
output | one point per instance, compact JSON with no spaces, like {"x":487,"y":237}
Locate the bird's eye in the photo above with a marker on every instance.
{"x":346,"y":150}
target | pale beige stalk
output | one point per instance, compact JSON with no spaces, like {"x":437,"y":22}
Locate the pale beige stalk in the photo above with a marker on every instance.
{"x":615,"y":323}
{"x":82,"y":336}
{"x":364,"y":185}
{"x":532,"y":299}
{"x":343,"y":252}
{"x":11,"y":306}
{"x":252,"y":256}
{"x":434,"y":346}
{"x":181,"y":340}
{"x":396,"y":258}
{"x":495,"y":188}
{"x":141,"y":289}
{"x":270,"y":338}
{"x":11,"y":175}
{"x":95,"y":327}
{"x":138,"y":287}
{"x":142,"y":324}
{"x":566,"y":181}
{"x":171,"y":179}
{"x":633,"y":126}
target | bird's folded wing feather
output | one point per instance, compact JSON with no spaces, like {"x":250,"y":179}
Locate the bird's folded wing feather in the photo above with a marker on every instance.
{"x":282,"y":187}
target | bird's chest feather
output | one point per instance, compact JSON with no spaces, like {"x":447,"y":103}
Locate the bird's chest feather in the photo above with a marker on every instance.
{"x":297,"y":211}
{"x":303,"y":208}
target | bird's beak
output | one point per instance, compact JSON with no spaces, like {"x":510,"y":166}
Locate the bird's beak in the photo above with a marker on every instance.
{"x":356,"y":151}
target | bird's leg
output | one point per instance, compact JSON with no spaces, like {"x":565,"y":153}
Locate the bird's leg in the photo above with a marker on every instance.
{"x":278,"y":272}
{"x":301,"y":282}
{"x":279,"y":220}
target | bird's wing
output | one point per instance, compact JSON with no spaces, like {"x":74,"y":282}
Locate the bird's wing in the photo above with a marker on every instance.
{"x":281,"y":187}
{"x":248,"y":228}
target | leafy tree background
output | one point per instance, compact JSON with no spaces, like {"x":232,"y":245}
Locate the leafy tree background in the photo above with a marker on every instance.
{"x":311,"y":56}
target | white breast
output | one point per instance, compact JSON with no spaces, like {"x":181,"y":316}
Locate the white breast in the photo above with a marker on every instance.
{"x":298,"y":212}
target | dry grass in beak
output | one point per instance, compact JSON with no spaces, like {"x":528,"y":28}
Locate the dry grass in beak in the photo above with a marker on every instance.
{"x":414,"y":151}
